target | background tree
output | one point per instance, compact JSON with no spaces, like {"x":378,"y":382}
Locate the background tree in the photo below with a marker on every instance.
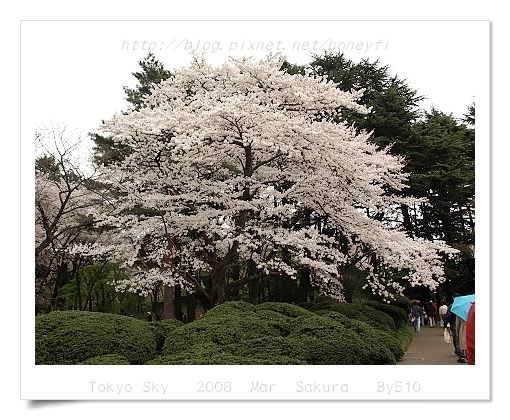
{"x":469,"y":117}
{"x":439,"y":155}
{"x":64,"y":196}
{"x":152,"y":72}
{"x":441,"y":161}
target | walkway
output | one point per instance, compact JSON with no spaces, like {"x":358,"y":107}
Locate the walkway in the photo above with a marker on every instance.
{"x":429,"y":348}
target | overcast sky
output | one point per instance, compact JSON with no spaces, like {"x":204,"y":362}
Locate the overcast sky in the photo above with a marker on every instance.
{"x":74,"y":71}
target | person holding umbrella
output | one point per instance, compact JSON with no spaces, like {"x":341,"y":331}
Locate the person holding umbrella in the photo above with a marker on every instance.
{"x":470,"y":335}
{"x":460,"y":307}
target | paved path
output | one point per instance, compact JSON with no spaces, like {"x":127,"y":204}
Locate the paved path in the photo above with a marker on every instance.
{"x":429,"y":348}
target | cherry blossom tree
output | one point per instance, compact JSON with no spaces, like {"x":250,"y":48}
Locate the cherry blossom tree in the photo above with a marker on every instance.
{"x":243,"y":168}
{"x":64,"y":195}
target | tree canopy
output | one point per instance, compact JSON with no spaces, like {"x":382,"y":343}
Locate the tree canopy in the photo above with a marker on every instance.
{"x":253,"y":172}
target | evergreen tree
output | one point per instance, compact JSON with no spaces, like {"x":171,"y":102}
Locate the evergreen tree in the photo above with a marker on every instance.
{"x":106,"y":151}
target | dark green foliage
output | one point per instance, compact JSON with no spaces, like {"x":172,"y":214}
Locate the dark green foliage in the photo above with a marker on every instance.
{"x":402,"y":302}
{"x":361,"y":312}
{"x":261,"y":351}
{"x":71,"y":337}
{"x":231,"y":308}
{"x":287,"y":309}
{"x":162,"y":329}
{"x":398,"y":314}
{"x":404,"y":335}
{"x":271,"y":348}
{"x":153,"y":72}
{"x":230,"y":334}
{"x":328,"y":342}
{"x":276,"y":320}
{"x":220,"y":359}
{"x":441,"y":160}
{"x":219,"y":329}
{"x":107,"y":359}
{"x":394,"y":104}
{"x":378,"y":342}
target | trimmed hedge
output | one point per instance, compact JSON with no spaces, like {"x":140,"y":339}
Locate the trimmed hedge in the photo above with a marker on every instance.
{"x":107,"y":359}
{"x":328,"y":342}
{"x":235,"y":333}
{"x":398,"y":314}
{"x":383,"y":348}
{"x":285,"y":350}
{"x":286,"y":309}
{"x":361,"y":312}
{"x":214,"y":354}
{"x":221,"y":329}
{"x":236,"y":307}
{"x":72,"y":337}
{"x":161,"y":329}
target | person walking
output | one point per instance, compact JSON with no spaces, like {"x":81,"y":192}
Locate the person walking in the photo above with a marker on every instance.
{"x":442,"y":311}
{"x":470,"y":335}
{"x":460,"y":327}
{"x":451,"y":319}
{"x":431,"y":314}
{"x":417,"y":314}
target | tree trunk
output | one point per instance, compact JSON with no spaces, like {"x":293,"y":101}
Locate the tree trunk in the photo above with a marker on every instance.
{"x":407,"y":220}
{"x":254,"y":285}
{"x":178,"y":302}
{"x":192,"y":306}
{"x":168,"y":302}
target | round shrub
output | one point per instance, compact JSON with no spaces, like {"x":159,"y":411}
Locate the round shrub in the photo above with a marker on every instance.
{"x":217,"y":359}
{"x":71,"y":337}
{"x":281,"y":323}
{"x":231,"y":308}
{"x":221,"y":330}
{"x":361,"y":312}
{"x":107,"y":359}
{"x":213,"y":354}
{"x":382,"y":347}
{"x":271,"y":349}
{"x":328,"y":342}
{"x":398,"y":314}
{"x":286,"y":309}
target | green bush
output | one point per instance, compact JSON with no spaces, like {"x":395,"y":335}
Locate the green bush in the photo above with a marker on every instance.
{"x":382,"y":347}
{"x":361,"y":312}
{"x":107,"y":359}
{"x":213,"y":354}
{"x":161,"y":329}
{"x":404,"y":335}
{"x":71,"y":337}
{"x":286,"y":309}
{"x":328,"y":342}
{"x":222,"y":330}
{"x":209,"y":353}
{"x":279,"y":322}
{"x":236,"y":307}
{"x":402,"y":302}
{"x":218,"y":359}
{"x":271,"y":349}
{"x":398,"y":314}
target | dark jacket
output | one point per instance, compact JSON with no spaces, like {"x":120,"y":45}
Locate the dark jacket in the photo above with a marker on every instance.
{"x":416,"y":311}
{"x":430,"y":309}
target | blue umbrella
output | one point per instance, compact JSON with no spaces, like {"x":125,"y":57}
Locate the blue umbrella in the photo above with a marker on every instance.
{"x":461,"y":305}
